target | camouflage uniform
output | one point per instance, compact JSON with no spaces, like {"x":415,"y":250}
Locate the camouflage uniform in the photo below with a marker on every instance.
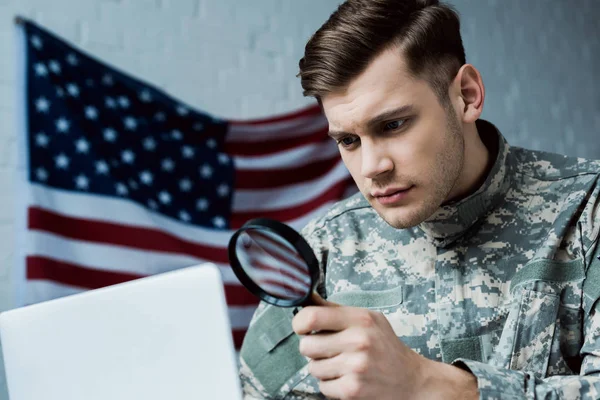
{"x":503,"y":283}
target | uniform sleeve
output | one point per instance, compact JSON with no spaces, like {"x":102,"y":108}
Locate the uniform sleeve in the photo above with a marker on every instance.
{"x":271,"y":365}
{"x":498,"y":383}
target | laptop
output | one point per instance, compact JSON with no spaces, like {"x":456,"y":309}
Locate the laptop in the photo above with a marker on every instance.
{"x":162,"y":337}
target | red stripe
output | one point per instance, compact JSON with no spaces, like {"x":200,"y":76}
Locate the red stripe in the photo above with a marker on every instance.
{"x":44,"y":268}
{"x":274,"y":146}
{"x":238,"y":337}
{"x":334,"y":193}
{"x":273,"y":178}
{"x":122,"y":235}
{"x":310,"y":111}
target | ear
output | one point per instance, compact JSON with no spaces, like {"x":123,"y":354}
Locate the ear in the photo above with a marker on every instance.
{"x":469,"y":86}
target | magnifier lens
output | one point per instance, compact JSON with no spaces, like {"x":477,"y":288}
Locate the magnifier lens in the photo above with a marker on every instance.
{"x":273,"y":264}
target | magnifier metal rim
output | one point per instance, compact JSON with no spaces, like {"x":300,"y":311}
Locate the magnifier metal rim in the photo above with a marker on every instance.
{"x":293,"y":238}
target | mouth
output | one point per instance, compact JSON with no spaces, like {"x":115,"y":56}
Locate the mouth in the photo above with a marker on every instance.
{"x":391,"y":196}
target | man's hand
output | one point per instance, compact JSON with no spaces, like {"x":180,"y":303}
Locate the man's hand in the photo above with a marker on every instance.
{"x":357,"y":355}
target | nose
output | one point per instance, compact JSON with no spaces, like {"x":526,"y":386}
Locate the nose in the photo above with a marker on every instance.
{"x":375,"y":159}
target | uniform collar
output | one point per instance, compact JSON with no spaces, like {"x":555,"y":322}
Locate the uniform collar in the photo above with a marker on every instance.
{"x":452,"y":221}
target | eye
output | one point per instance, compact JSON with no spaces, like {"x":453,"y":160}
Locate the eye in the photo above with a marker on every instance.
{"x":347,"y":141}
{"x":392,"y":126}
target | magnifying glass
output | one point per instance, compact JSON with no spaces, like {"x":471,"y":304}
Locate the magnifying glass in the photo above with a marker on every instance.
{"x":275,"y":263}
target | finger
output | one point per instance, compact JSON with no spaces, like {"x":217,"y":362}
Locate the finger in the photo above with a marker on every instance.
{"x":327,"y":369}
{"x":322,"y":345}
{"x":345,"y":387}
{"x":311,"y":319}
{"x":317,"y":300}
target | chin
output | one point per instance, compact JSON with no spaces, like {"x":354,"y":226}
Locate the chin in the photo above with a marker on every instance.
{"x":405,"y":217}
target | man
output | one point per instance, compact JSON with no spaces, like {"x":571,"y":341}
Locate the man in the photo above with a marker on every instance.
{"x":465,"y":268}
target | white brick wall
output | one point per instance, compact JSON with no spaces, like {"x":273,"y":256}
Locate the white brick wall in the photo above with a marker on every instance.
{"x":232,"y":58}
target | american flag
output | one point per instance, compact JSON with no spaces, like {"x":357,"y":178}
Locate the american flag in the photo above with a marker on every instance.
{"x":125,"y":181}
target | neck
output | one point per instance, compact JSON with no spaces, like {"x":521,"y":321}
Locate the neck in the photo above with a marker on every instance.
{"x":476,"y":165}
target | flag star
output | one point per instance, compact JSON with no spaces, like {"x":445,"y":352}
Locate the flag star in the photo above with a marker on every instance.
{"x":223,"y":190}
{"x":102,"y":167}
{"x":167,"y":165}
{"x":42,"y":105}
{"x":184,"y":216}
{"x":91,"y":112}
{"x":223,"y":158}
{"x":160,"y":116}
{"x":206,"y":171}
{"x":202,"y":204}
{"x":109,"y":102}
{"x":130,"y":123}
{"x":176,"y":134}
{"x":110,"y":135}
{"x":89,"y":82}
{"x":72,"y":59}
{"x":123,"y":101}
{"x":149,"y":144}
{"x":59,"y":92}
{"x":40,"y":69}
{"x":41,"y":174}
{"x":82,"y":182}
{"x":182,"y":110}
{"x":133,"y":184}
{"x":73,"y":89}
{"x":128,"y":156}
{"x":185,"y":185}
{"x":63,"y":125}
{"x":41,"y":139}
{"x":146,"y":177}
{"x":187,"y":152}
{"x":145,"y":96}
{"x":54,"y":66}
{"x":198,"y":126}
{"x":211,"y":143}
{"x":82,"y":145}
{"x":107,"y":79}
{"x":62,"y":161}
{"x":152,"y":204}
{"x":219,"y":222}
{"x":36,"y":42}
{"x":121,"y":189}
{"x":164,"y":197}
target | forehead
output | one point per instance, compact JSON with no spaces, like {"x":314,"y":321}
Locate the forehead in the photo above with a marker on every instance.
{"x":384,"y":85}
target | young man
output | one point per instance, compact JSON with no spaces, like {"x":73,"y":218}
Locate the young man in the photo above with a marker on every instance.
{"x":466,"y":268}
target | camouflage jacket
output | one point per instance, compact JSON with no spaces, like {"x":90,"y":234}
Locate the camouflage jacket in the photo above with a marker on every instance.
{"x":503,"y":283}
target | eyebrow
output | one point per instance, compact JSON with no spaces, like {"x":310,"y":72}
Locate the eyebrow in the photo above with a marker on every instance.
{"x":386,"y":115}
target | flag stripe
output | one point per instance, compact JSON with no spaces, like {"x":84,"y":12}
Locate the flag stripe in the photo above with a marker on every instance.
{"x":273,"y":146}
{"x":88,"y":278}
{"x":295,"y":157}
{"x":293,"y":196}
{"x":122,"y":235}
{"x":286,"y":214}
{"x":307,"y":112}
{"x":111,"y":258}
{"x":281,"y":177}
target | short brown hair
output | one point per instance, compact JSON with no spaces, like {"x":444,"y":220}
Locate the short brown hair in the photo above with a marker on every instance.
{"x":425,"y":31}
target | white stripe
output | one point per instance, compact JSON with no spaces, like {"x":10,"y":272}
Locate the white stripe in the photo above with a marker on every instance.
{"x":239,"y":316}
{"x":121,"y":211}
{"x":114,"y":258}
{"x":126,"y":212}
{"x":259,"y":274}
{"x":276,"y":130}
{"x":303,"y":155}
{"x":292,"y":195}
